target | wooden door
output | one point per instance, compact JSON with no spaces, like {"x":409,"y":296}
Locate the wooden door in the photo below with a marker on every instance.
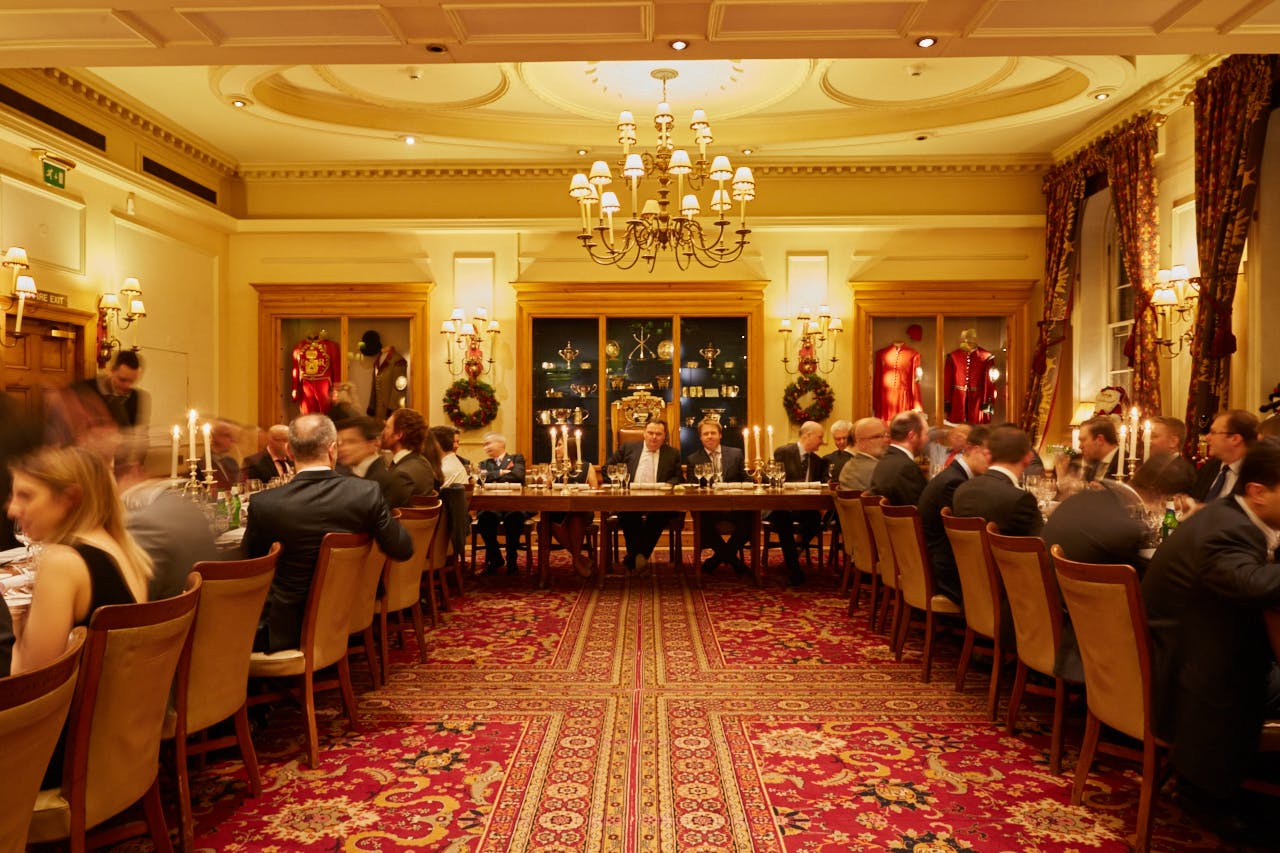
{"x":46,"y":358}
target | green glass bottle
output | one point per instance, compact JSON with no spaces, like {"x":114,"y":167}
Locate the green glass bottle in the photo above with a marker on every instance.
{"x":1170,"y":521}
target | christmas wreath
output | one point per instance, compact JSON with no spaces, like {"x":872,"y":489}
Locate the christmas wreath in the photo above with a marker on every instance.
{"x":824,"y":399}
{"x":486,"y":404}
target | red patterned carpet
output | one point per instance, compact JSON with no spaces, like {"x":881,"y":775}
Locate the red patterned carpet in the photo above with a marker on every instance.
{"x":652,"y":716}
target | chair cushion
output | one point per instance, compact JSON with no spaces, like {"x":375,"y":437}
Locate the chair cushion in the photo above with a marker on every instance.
{"x":286,"y":662}
{"x":51,"y":820}
{"x":942,"y":604}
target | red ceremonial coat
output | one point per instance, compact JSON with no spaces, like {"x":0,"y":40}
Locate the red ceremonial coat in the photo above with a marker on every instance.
{"x":315,"y":370}
{"x":968,"y":389}
{"x":894,"y":386}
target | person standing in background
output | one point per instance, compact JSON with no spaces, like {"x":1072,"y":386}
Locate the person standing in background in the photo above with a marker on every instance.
{"x":128,"y":405}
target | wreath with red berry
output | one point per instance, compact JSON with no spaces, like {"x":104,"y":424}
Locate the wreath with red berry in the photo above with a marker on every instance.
{"x":823,"y":399}
{"x":482,"y":393}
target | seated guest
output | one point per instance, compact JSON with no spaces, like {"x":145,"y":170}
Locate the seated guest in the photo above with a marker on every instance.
{"x":19,"y":434}
{"x":944,"y":444}
{"x":1099,"y":450}
{"x":415,"y":464}
{"x":837,"y":458}
{"x":359,"y":452}
{"x":802,"y":464}
{"x":272,"y":461}
{"x":897,"y":476}
{"x":996,"y":495}
{"x":570,"y":528}
{"x":647,"y":461}
{"x":1230,"y":437}
{"x":222,"y":448}
{"x":938,"y":495}
{"x":298,"y":514}
{"x":736,"y":526}
{"x":870,"y":438}
{"x":500,"y":466}
{"x":452,"y":471}
{"x":1212,"y":666}
{"x":170,"y":528}
{"x":342,"y":401}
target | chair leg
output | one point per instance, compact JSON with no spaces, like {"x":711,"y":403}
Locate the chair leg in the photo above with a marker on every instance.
{"x":1092,"y":727}
{"x":1146,"y":799}
{"x":186,"y":834}
{"x":386,"y":642}
{"x":1015,"y":698}
{"x":902,"y":624}
{"x":962,"y":668}
{"x":993,"y":692}
{"x":348,"y":696}
{"x":416,"y":611}
{"x":372,"y":656}
{"x":444,"y":587}
{"x":434,"y":606}
{"x":928,"y":645}
{"x":247,"y":752}
{"x":154,"y":809}
{"x":875,"y":600}
{"x":309,"y":710}
{"x":1059,"y":711}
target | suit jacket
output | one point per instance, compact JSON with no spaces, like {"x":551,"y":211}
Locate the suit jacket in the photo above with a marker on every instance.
{"x":1096,"y":526}
{"x":260,"y":466}
{"x":857,"y":472}
{"x":668,"y":461}
{"x":836,"y":460}
{"x":1204,"y":480}
{"x":732,"y":466}
{"x":939,"y":493}
{"x":412,"y":475}
{"x":1111,"y":472}
{"x":507,"y":468}
{"x":1205,"y":591}
{"x":994,"y":497}
{"x":898,"y":478}
{"x":812,"y":470}
{"x":298,"y":515}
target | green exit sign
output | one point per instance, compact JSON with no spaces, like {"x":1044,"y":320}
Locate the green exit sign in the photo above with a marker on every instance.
{"x":55,"y":175}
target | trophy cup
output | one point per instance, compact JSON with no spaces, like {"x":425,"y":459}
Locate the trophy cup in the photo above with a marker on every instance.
{"x":709,"y":352}
{"x":568,"y":353}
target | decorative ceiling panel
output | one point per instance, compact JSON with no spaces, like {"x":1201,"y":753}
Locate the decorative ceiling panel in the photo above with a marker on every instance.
{"x":1106,"y":17}
{"x":756,"y":19}
{"x":515,"y":23}
{"x":32,"y":28}
{"x":295,"y":25}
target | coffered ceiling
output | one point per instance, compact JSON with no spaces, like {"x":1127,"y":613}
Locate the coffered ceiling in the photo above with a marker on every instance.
{"x":342,"y":82}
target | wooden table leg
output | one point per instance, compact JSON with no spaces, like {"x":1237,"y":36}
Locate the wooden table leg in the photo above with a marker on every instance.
{"x":603,"y":552}
{"x":544,"y":552}
{"x":757,"y":529}
{"x":696,"y":517}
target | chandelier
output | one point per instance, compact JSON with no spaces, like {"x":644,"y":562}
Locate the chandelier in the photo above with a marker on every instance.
{"x":654,"y":227}
{"x":1175,"y":298}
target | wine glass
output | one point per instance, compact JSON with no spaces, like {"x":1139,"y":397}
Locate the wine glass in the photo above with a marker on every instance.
{"x":480,"y":473}
{"x":700,"y":471}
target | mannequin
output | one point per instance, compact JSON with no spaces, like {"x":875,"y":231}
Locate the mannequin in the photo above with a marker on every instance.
{"x":390,"y":376}
{"x":895,"y":384}
{"x":970,"y":392}
{"x":315,"y":370}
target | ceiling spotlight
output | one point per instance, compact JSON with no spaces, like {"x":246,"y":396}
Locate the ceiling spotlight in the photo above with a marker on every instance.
{"x":1100,"y":94}
{"x":409,"y":140}
{"x":748,"y":150}
{"x":583,"y":152}
{"x":678,"y":44}
{"x":926,"y":41}
{"x":239,"y":101}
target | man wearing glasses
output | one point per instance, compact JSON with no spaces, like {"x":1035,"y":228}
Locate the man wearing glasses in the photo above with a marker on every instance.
{"x":870,"y":438}
{"x":1232,"y":434}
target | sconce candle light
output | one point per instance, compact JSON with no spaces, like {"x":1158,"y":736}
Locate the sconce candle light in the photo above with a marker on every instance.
{"x":112,"y":310}
{"x":815,"y":334}
{"x":24,"y":288}
{"x":468,"y":337}
{"x":1175,"y":298}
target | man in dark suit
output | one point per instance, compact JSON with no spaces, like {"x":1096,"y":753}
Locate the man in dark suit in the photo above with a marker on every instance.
{"x":1168,"y":435}
{"x":273,"y":461}
{"x":128,"y":405}
{"x":802,"y":464}
{"x":298,"y":514}
{"x":500,"y":467}
{"x":996,"y":495}
{"x":1232,"y":434}
{"x":1099,"y":450}
{"x":359,"y":452}
{"x":937,"y":495}
{"x":412,"y":473}
{"x":736,"y":526}
{"x":897,"y":475}
{"x":837,"y":458}
{"x":649,"y":461}
{"x":1205,"y":593}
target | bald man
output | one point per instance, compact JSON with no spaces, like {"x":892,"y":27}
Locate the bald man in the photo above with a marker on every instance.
{"x":273,"y":461}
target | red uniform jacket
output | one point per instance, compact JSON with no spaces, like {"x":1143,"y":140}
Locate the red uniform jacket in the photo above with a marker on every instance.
{"x":315,"y":370}
{"x":967,"y":386}
{"x":894,"y":386}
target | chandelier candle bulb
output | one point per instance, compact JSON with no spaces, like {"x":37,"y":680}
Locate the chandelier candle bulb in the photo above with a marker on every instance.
{"x":1146,"y":440}
{"x":207,"y":429}
{"x":173,"y":456}
{"x":191,"y":435}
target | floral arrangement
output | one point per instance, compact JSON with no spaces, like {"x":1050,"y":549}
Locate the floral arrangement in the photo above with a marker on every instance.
{"x":824,"y":399}
{"x":470,"y":389}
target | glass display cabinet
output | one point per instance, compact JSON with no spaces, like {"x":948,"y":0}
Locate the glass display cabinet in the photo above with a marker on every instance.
{"x":566,"y":390}
{"x":713,"y":378}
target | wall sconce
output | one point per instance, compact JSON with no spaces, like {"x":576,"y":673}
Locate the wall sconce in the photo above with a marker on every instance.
{"x":112,"y":311}
{"x":1175,"y":299}
{"x":815,"y":334}
{"x":468,"y":338}
{"x":24,"y":288}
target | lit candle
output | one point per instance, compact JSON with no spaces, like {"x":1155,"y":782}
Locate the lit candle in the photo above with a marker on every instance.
{"x":173,"y":459}
{"x":1075,"y":439}
{"x":746,"y":441}
{"x":208,"y":453}
{"x":577,"y":436}
{"x":755,"y":430}
{"x":1146,"y":440}
{"x":191,"y":435}
{"x":1133,"y":433}
{"x":769,"y":433}
{"x":564,"y":436}
{"x":1124,"y":436}
{"x":553,"y":444}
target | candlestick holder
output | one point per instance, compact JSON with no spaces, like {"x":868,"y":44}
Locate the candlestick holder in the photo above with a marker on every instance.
{"x":1131,"y":468}
{"x":192,"y":487}
{"x":757,"y":468}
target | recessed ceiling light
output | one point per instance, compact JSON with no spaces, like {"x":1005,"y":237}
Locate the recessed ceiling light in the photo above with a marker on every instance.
{"x":240,"y":101}
{"x":678,"y":44}
{"x":748,"y":150}
{"x":409,"y":140}
{"x":926,"y":41}
{"x":1100,"y":95}
{"x":583,"y":152}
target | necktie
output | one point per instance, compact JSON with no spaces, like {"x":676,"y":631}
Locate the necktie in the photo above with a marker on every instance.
{"x":804,"y":465}
{"x":1090,"y":472}
{"x":1215,"y":491}
{"x":715,"y":461}
{"x":281,"y":468}
{"x":646,"y":469}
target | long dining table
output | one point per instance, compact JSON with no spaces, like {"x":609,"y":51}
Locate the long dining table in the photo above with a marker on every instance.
{"x":678,"y":499}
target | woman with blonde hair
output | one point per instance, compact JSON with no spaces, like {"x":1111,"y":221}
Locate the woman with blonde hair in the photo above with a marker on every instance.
{"x":66,"y":499}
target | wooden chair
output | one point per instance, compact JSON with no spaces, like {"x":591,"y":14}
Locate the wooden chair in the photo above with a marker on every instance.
{"x":213,"y":681}
{"x":526,"y":542}
{"x":1105,"y":603}
{"x":33,"y":707}
{"x":364,"y":612}
{"x":628,"y":416}
{"x":122,"y":695}
{"x":983,"y":601}
{"x":324,"y":632}
{"x":886,"y":579}
{"x":859,"y":549}
{"x":915,"y":579}
{"x":1028,"y":580}
{"x":402,"y":579}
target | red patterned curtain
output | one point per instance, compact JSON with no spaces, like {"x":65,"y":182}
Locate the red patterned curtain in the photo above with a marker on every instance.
{"x":1130,"y":155}
{"x":1232,"y":105}
{"x":1064,"y":190}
